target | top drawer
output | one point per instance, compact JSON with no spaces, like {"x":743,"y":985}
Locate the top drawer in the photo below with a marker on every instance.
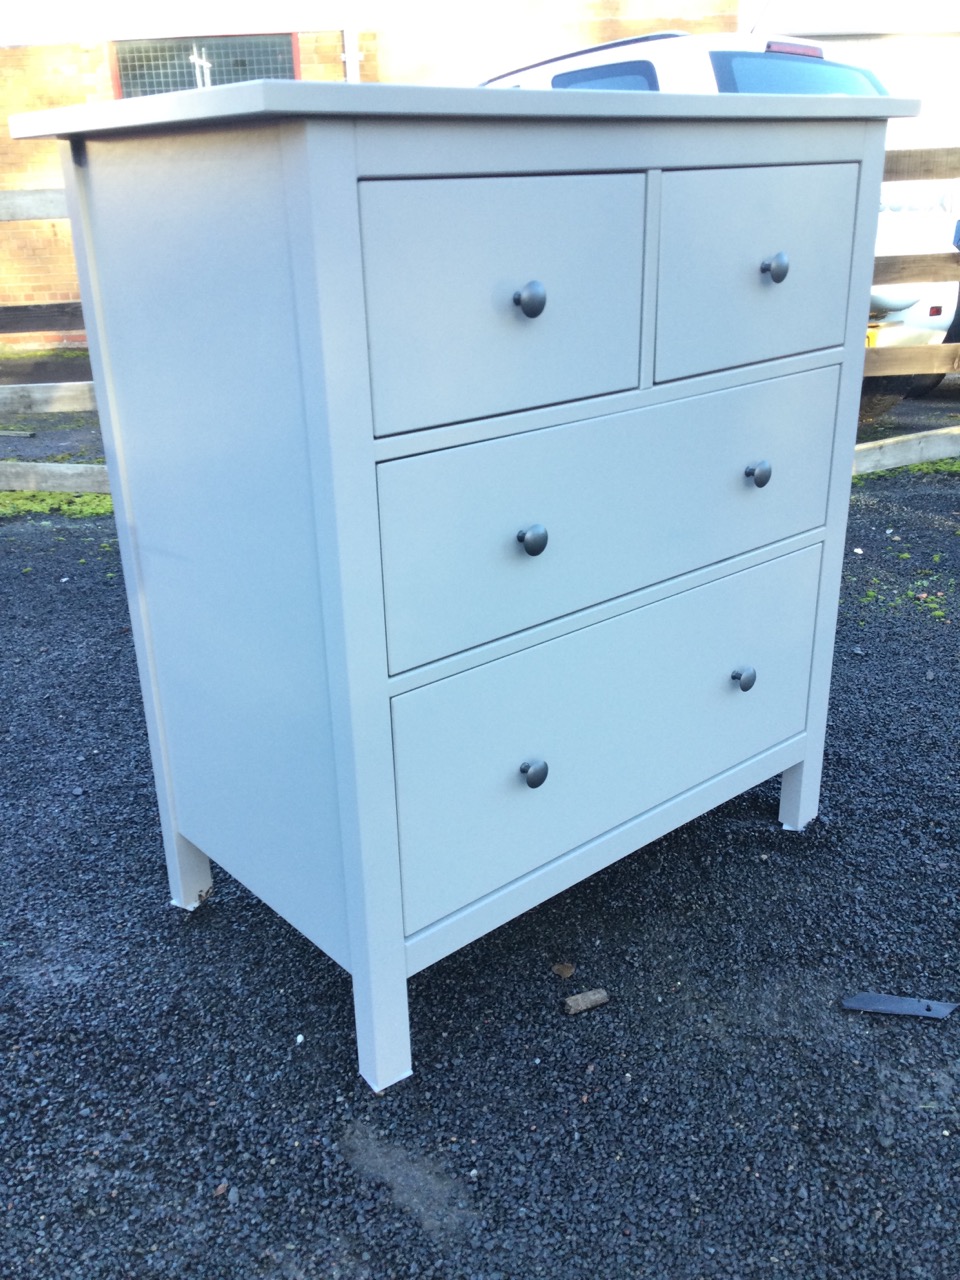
{"x":716,"y":307}
{"x":443,"y":259}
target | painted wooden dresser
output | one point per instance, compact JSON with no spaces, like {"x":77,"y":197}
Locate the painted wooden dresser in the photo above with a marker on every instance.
{"x":481,"y":462}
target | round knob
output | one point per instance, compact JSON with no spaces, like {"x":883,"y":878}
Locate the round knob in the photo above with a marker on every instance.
{"x":746,"y":678}
{"x":531,"y":299}
{"x":533,"y":540}
{"x":759,"y":473}
{"x":535,"y":772}
{"x":776,"y":267}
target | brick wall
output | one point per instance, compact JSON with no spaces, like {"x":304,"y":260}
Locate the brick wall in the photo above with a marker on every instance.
{"x":37,"y":263}
{"x":616,"y":20}
{"x":36,"y":257}
{"x":34,"y":78}
{"x":321,"y":55}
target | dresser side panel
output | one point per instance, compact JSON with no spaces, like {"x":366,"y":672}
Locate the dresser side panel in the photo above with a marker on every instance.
{"x":194,"y":271}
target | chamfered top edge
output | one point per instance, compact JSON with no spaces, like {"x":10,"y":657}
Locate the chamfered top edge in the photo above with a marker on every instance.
{"x":265,"y":99}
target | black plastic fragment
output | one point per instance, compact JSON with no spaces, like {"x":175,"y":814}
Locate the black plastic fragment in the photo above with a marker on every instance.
{"x":873,"y":1002}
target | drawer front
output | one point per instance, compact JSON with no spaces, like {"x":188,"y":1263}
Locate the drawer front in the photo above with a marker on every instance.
{"x":626,"y":501}
{"x":626,"y":714}
{"x":716,"y":307}
{"x":443,"y":259}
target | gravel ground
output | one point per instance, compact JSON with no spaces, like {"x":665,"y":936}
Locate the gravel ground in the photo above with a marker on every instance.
{"x":50,"y":437}
{"x":939,"y":408}
{"x":721,"y":1117}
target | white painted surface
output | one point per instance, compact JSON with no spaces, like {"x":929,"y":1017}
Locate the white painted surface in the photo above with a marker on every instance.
{"x":626,"y":714}
{"x":442,"y":262}
{"x":624,"y":500}
{"x":718,"y":227}
{"x":206,"y":377}
{"x":228,"y":273}
{"x":301,"y":99}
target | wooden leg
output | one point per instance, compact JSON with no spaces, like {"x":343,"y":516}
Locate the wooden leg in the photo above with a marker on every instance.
{"x":189,"y":873}
{"x":383,"y":1030}
{"x":800,"y":794}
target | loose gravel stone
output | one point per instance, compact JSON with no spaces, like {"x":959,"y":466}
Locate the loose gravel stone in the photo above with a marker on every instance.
{"x":724,"y":1118}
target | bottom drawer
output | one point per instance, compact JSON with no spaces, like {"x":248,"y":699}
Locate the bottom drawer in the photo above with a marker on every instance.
{"x":625,"y":714}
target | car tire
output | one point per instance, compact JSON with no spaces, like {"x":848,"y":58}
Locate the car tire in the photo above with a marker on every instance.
{"x":879,"y":395}
{"x":922,"y":384}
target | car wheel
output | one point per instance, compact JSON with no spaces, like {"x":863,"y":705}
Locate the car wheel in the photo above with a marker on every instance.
{"x":922,"y":384}
{"x":879,"y":395}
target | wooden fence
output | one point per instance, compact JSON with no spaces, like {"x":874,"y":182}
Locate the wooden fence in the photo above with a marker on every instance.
{"x":927,"y":268}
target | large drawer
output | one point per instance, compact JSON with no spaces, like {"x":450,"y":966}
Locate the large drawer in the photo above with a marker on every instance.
{"x":626,"y":714}
{"x":626,"y":501}
{"x":442,"y":261}
{"x":716,"y":307}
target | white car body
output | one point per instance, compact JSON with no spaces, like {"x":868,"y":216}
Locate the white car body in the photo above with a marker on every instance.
{"x":915,"y":217}
{"x":685,"y":64}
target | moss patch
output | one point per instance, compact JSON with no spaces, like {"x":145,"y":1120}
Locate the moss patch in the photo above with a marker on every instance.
{"x":945,"y":467}
{"x":78,"y":505}
{"x":44,"y":353}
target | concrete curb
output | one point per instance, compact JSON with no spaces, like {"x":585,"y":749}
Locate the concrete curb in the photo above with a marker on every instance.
{"x":907,"y":451}
{"x":55,"y":477}
{"x":48,"y":397}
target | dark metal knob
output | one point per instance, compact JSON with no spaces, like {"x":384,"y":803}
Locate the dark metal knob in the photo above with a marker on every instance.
{"x":535,"y":772}
{"x":531,"y":299}
{"x":746,"y":678}
{"x":533,"y":539}
{"x":776,"y":267}
{"x":759,"y":473}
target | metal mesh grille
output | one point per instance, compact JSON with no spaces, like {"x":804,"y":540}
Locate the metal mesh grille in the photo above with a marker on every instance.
{"x":160,"y":66}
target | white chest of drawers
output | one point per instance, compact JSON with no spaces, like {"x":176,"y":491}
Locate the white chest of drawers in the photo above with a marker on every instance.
{"x":481,"y":464}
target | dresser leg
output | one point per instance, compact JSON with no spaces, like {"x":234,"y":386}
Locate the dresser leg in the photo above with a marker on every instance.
{"x":800,"y":794}
{"x":188,"y":871}
{"x":383,"y":1030}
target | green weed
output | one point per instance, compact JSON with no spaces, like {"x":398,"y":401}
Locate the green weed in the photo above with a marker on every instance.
{"x":77,"y":505}
{"x":45,"y":353}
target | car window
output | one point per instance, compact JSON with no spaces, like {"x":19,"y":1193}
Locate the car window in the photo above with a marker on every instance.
{"x":739,"y":72}
{"x":614,"y":75}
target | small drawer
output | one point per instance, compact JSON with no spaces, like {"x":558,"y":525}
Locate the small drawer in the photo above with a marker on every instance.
{"x":625,"y":715}
{"x":624,"y":501}
{"x":717,"y":307}
{"x":443,"y":261}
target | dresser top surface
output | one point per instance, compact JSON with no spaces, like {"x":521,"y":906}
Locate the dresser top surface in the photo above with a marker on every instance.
{"x":263,"y":100}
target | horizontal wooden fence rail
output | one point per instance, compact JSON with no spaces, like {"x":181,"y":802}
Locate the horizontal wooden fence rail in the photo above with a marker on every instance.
{"x":911,"y":166}
{"x":42,"y":317}
{"x":927,"y":268}
{"x":33,"y":205}
{"x":922,"y":268}
{"x":944,"y":357}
